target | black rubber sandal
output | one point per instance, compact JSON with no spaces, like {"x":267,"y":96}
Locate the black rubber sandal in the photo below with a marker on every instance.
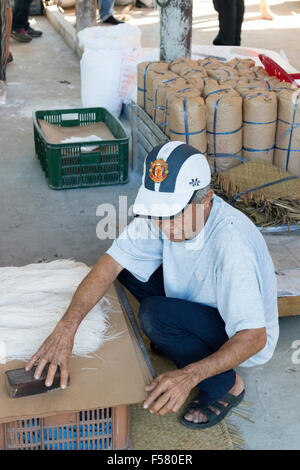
{"x":212,"y":417}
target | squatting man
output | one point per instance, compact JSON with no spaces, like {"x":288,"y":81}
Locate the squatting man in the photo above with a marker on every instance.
{"x":205,"y":282}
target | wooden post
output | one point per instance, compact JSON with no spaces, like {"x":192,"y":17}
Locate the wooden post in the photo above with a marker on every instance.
{"x":176,"y":18}
{"x":85,"y":14}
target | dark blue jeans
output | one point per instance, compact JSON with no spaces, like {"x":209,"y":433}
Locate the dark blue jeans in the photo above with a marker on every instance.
{"x":21,"y":14}
{"x":184,"y":331}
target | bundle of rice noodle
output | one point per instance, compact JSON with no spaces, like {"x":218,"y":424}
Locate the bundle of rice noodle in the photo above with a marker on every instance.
{"x":259,"y":126}
{"x":244,"y":64}
{"x":181,"y":63}
{"x":276,"y":85}
{"x":241,"y":64}
{"x":287,"y":145}
{"x":155,"y":79}
{"x":213,"y":88}
{"x":179,"y":60}
{"x":260,"y":82}
{"x":247,"y":73}
{"x":186,"y":69}
{"x":188,"y":92}
{"x":268,"y":195}
{"x":209,"y":83}
{"x":259,"y":72}
{"x":151,"y":75}
{"x":196,"y":80}
{"x":233,"y":62}
{"x":210,"y":61}
{"x":224,"y":129}
{"x":187,"y":120}
{"x":233,"y":81}
{"x":34,"y":298}
{"x":142,"y":70}
{"x":162,"y":91}
{"x":246,"y":89}
{"x":221,"y":72}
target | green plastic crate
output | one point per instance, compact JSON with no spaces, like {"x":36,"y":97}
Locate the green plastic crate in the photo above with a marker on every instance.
{"x":66,"y":166}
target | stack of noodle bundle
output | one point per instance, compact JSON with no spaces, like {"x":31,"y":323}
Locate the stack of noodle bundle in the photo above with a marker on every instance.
{"x":287,"y":145}
{"x":276,"y":85}
{"x":219,"y":73}
{"x":155,"y":80}
{"x":233,"y":81}
{"x":160,"y":100}
{"x":247,"y":73}
{"x":245,"y":89}
{"x":260,"y":82}
{"x":196,"y":80}
{"x":224,"y":129}
{"x":180,"y":64}
{"x":187,"y":92}
{"x":195,"y":68}
{"x":259,"y":126}
{"x":209,"y":85}
{"x":259,"y":72}
{"x":187,"y":120}
{"x":142,"y":70}
{"x":210,"y":61}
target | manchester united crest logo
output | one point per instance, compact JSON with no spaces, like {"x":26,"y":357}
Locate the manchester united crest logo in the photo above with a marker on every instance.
{"x":158,"y":171}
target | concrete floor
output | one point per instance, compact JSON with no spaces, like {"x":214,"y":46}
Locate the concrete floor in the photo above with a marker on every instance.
{"x":37,"y":222}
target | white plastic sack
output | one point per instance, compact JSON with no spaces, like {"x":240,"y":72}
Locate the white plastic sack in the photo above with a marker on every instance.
{"x":108,"y":65}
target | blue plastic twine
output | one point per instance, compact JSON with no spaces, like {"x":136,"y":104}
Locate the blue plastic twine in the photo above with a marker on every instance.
{"x":234,"y":199}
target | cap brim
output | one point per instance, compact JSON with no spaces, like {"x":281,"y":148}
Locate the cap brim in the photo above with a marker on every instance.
{"x":158,"y":204}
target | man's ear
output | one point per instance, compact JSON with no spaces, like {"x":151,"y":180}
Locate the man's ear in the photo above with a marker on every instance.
{"x":207,"y":198}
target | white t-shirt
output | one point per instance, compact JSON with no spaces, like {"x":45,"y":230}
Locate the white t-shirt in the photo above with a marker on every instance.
{"x":226,"y":266}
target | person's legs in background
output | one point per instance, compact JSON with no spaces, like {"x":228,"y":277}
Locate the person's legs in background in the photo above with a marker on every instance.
{"x":3,"y":54}
{"x":20,"y":20}
{"x":228,"y":12}
{"x":265,"y":11}
{"x":240,"y":11}
{"x":8,"y":33}
{"x":106,"y":11}
{"x":21,"y":29}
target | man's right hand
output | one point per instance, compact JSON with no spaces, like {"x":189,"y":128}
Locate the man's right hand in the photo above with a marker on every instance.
{"x":56,"y":349}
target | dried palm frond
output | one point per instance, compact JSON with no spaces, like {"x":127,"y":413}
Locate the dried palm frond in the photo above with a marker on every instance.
{"x":264,"y":203}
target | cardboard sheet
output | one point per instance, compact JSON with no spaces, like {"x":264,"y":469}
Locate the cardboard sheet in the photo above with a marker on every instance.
{"x":55,"y":134}
{"x":116,"y":375}
{"x":285,"y":252}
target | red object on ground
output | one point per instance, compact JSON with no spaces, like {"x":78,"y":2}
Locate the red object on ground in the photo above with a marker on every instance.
{"x":274,"y":69}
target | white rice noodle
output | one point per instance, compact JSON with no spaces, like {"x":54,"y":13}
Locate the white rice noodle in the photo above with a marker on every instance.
{"x":33,"y":299}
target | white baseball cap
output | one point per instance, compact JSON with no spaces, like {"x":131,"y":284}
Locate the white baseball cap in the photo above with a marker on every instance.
{"x":172,"y":173}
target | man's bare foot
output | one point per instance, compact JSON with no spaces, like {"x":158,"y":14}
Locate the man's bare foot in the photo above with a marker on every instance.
{"x":198,"y":417}
{"x":266,"y":14}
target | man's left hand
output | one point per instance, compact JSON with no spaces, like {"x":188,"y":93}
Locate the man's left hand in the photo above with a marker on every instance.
{"x":169,"y":391}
